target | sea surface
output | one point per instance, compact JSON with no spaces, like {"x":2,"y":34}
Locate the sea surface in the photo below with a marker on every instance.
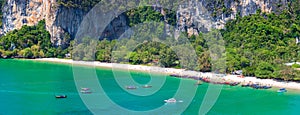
{"x":29,"y":87}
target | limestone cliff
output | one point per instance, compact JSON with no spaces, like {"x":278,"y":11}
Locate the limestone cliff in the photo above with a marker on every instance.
{"x":192,"y":19}
{"x":17,"y":13}
{"x":61,"y":19}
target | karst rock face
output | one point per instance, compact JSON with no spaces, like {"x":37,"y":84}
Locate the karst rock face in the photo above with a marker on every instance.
{"x":61,"y":19}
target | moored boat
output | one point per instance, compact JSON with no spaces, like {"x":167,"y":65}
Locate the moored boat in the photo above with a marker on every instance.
{"x":282,"y":90}
{"x":174,"y":75}
{"x":227,"y":83}
{"x":206,"y":80}
{"x":171,"y":100}
{"x":258,"y":86}
{"x":267,"y":87}
{"x":234,"y":83}
{"x":85,"y":90}
{"x":147,"y":86}
{"x":131,"y":87}
{"x":61,"y":96}
{"x":245,"y":85}
{"x":255,"y":86}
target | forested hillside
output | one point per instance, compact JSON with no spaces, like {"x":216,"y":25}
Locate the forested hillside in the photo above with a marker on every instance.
{"x":259,"y":44}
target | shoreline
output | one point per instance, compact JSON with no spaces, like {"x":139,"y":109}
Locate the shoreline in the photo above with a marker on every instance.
{"x":173,"y":71}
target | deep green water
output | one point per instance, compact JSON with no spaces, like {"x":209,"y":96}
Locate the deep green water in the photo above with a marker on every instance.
{"x":29,"y":87}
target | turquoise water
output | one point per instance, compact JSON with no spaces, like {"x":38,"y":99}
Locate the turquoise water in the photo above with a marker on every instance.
{"x":29,"y":87}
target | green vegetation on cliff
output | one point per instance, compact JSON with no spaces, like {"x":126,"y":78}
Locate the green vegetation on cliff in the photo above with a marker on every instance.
{"x":29,"y":42}
{"x":147,"y":14}
{"x":81,"y":4}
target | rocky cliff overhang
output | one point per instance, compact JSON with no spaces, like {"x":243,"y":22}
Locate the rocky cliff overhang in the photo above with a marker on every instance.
{"x":61,"y":19}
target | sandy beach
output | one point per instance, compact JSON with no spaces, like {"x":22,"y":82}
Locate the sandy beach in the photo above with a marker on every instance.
{"x":179,"y":72}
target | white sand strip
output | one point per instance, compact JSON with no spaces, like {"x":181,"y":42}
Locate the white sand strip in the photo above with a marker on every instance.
{"x":180,"y":72}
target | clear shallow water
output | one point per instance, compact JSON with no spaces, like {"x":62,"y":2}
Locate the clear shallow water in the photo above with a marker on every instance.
{"x":29,"y":87}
